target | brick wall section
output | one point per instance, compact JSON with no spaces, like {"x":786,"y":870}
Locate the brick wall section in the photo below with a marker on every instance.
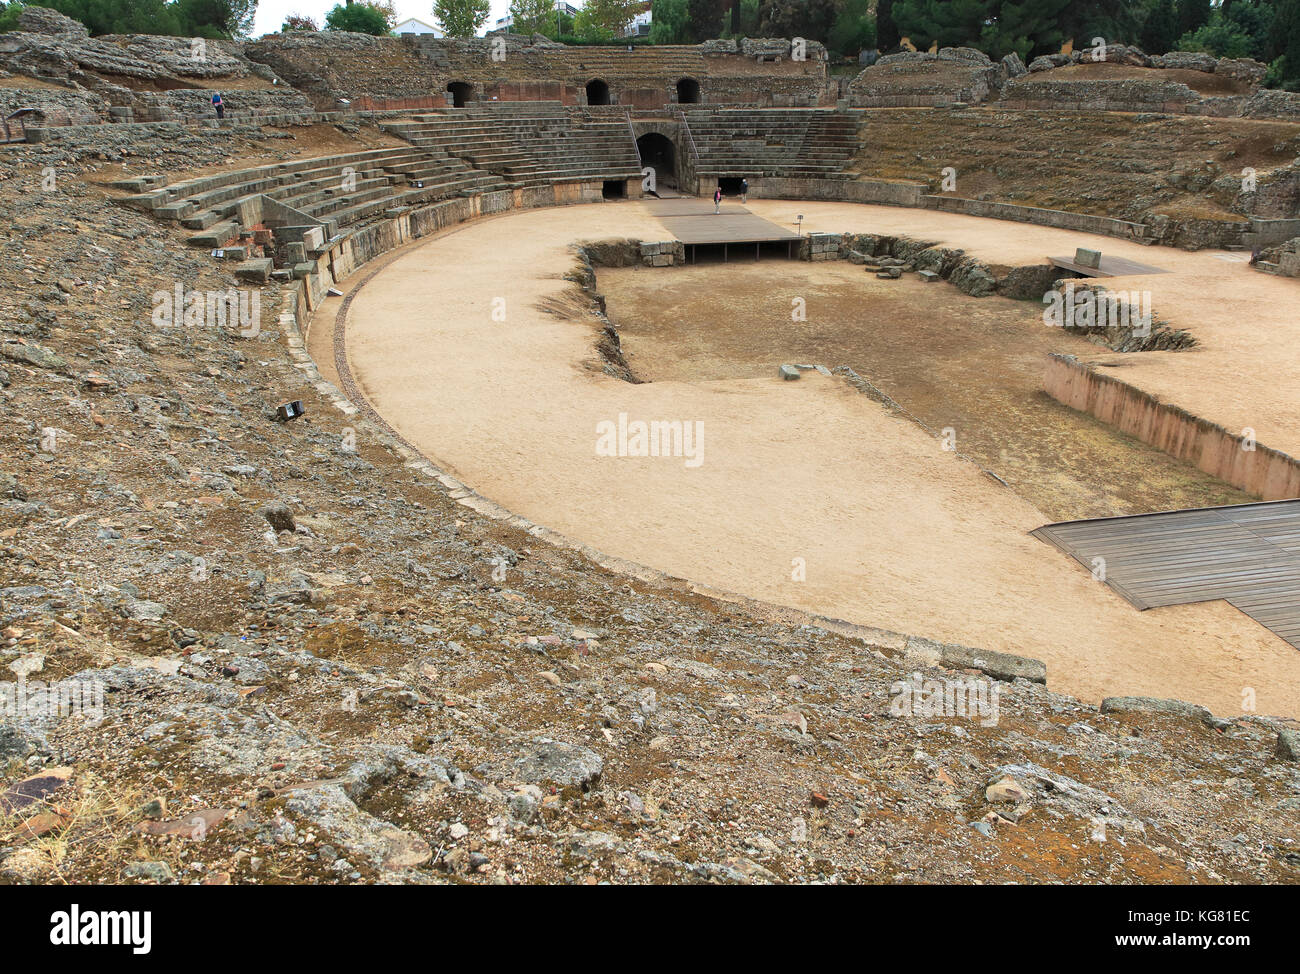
{"x":354,"y":66}
{"x":1263,"y":472}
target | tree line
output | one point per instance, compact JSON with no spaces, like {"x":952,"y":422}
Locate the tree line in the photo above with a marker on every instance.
{"x":215,"y":19}
{"x":1266,"y":30}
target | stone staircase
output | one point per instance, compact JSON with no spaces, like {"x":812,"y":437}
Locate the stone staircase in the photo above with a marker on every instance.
{"x":797,"y":144}
{"x":340,"y":191}
{"x":528,"y":143}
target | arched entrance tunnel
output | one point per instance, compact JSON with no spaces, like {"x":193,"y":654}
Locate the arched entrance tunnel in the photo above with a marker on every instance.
{"x":659,"y":153}
{"x":688,"y":92}
{"x":597,"y":92}
{"x":460,"y":92}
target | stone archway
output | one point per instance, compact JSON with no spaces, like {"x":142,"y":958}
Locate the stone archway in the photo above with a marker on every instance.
{"x":661,"y":145}
{"x":598,"y":92}
{"x":688,"y":91}
{"x":461,"y":92}
{"x":660,"y":154}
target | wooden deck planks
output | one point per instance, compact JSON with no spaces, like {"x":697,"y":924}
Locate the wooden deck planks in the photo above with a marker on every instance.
{"x":1246,"y":554}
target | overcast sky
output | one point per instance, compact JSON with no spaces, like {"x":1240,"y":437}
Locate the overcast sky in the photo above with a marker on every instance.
{"x":271,"y":13}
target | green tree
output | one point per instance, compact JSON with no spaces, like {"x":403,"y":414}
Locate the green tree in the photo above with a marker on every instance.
{"x":1284,"y":45}
{"x":216,"y":18}
{"x":1192,"y":15}
{"x":298,"y":22}
{"x":886,"y":27}
{"x":669,"y":22}
{"x":746,"y":16}
{"x":1241,"y":29}
{"x":1028,"y":27}
{"x":604,"y":19}
{"x":853,"y":29}
{"x":811,"y":19}
{"x":9,"y":15}
{"x":586,"y":27}
{"x":532,"y":16}
{"x":1160,"y":29}
{"x":1255,"y":19}
{"x":461,"y":18}
{"x":563,"y":26}
{"x":1118,"y":21}
{"x":122,"y":16}
{"x":358,"y":18}
{"x":704,"y":19}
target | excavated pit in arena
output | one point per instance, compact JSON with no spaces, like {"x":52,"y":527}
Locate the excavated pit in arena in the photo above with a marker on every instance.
{"x":809,"y":494}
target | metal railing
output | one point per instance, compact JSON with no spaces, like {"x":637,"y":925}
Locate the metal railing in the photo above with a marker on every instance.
{"x":690,"y":138}
{"x":632,"y":132}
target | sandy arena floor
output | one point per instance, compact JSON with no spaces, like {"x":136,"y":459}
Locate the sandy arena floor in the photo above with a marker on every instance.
{"x":893,"y":531}
{"x":972,"y":366}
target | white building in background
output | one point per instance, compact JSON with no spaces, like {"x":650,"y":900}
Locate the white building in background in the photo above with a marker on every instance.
{"x":413,"y":25}
{"x":504,"y":24}
{"x":639,"y":26}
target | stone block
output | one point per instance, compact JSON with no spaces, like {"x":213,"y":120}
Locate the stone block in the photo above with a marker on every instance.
{"x":214,"y":236}
{"x":1000,"y":666}
{"x":258,"y":270}
{"x":195,"y":221}
{"x":1087,"y":258}
{"x":176,"y":211}
{"x":1179,"y":708}
{"x":1288,"y":745}
{"x":788,"y":372}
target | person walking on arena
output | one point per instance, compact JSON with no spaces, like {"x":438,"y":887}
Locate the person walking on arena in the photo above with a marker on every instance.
{"x":744,"y":191}
{"x":717,"y":200}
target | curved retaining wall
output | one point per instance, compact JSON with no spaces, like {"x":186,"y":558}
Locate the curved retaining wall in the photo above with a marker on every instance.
{"x":1267,"y":473}
{"x":915,"y":195}
{"x":372,"y":242}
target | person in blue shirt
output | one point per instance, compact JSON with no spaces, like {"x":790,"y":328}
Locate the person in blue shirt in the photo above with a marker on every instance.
{"x":218,"y":104}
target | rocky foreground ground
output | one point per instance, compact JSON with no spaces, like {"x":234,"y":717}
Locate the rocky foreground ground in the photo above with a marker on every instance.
{"x":318,"y":667}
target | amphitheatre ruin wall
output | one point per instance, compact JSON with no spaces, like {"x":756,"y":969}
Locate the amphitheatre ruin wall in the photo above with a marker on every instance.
{"x":243,"y":523}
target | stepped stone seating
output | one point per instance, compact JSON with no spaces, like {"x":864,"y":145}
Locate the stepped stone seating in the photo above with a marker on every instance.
{"x":339,"y":191}
{"x":330,"y":65}
{"x":528,"y":143}
{"x":135,"y":77}
{"x":798,"y":144}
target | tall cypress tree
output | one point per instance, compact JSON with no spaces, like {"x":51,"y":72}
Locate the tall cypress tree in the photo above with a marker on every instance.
{"x":1160,"y":32}
{"x":704,"y":20}
{"x":1192,"y":14}
{"x":886,"y":30}
{"x":1284,"y":40}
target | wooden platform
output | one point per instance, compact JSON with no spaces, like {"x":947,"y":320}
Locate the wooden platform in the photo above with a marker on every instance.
{"x":1110,"y":267}
{"x":1245,"y":554}
{"x":692,"y":221}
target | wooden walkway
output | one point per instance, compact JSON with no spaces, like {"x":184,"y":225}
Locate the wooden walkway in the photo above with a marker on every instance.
{"x":692,"y":221}
{"x":1246,"y":554}
{"x":1110,"y":267}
